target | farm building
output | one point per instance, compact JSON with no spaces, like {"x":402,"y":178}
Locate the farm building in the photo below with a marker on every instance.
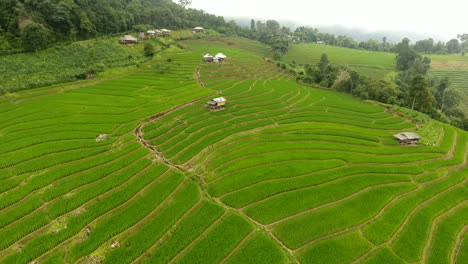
{"x":219,"y":57}
{"x":199,"y":30}
{"x":128,"y":39}
{"x":216,"y":103}
{"x":165,"y":33}
{"x":208,"y":58}
{"x":151,"y":32}
{"x":320,"y":42}
{"x":144,"y":35}
{"x":407,"y":138}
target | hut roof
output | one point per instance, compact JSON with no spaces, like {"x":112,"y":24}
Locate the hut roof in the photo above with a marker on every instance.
{"x":128,"y":38}
{"x":198,"y":28}
{"x":207,"y":56}
{"x":220,"y":99}
{"x":165,"y":30}
{"x":151,"y":32}
{"x":407,"y":136}
{"x":221,"y":56}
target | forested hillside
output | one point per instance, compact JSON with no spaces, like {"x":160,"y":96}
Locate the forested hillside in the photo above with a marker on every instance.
{"x":41,"y":22}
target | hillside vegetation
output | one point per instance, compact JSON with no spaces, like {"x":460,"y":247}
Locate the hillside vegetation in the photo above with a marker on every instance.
{"x":378,"y":64}
{"x":374,"y":64}
{"x":64,"y":64}
{"x":284,"y":174}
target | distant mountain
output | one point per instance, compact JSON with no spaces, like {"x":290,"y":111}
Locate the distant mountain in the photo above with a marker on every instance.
{"x":357,"y":34}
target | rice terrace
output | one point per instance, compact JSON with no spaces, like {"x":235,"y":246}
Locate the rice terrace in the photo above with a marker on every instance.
{"x":284,"y":174}
{"x":233,"y":132}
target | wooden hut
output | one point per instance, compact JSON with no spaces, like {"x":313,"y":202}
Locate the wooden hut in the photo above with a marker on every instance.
{"x":199,"y":30}
{"x":219,"y":57}
{"x":128,"y":39}
{"x":165,"y":33}
{"x":144,"y":35}
{"x":407,"y":138}
{"x":216,"y":104}
{"x":208,"y":58}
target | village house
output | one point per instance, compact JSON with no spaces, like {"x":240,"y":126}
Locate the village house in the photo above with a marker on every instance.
{"x":407,"y":138}
{"x":143,"y":35}
{"x":199,"y":30}
{"x":128,"y":39}
{"x":320,"y":42}
{"x":216,"y":104}
{"x":151,"y":32}
{"x":219,"y":57}
{"x":165,"y":33}
{"x":208,"y":58}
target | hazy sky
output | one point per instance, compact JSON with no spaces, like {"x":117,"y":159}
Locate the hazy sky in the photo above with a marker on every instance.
{"x":444,"y":18}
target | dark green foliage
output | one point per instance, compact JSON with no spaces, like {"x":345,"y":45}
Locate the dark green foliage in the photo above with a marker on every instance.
{"x":34,"y":37}
{"x":148,"y":50}
{"x":406,"y":55}
{"x":62,"y":64}
{"x":68,"y":20}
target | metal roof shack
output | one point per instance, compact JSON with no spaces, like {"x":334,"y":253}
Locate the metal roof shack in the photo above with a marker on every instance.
{"x":165,"y":33}
{"x":198,"y":30}
{"x":208,"y":58}
{"x":128,"y":39}
{"x":216,"y":104}
{"x":219,"y":58}
{"x":407,"y":138}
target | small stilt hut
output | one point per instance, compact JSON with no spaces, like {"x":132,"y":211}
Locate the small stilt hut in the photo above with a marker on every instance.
{"x":216,"y":104}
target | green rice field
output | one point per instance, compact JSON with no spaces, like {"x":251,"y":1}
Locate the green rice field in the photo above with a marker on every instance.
{"x":284,"y":174}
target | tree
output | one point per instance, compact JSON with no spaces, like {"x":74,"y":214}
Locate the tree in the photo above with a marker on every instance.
{"x":450,"y":99}
{"x":424,"y":46}
{"x":252,"y":24}
{"x":440,"y":48}
{"x":343,"y":82}
{"x":453,"y":46}
{"x":420,"y":97}
{"x":34,"y":37}
{"x":185,"y":3}
{"x":406,"y":56}
{"x":273,"y":27}
{"x":86,"y":26}
{"x":443,"y":84}
{"x":373,"y":45}
{"x":384,"y":43}
{"x":323,"y":64}
{"x":422,"y":65}
{"x":148,"y":50}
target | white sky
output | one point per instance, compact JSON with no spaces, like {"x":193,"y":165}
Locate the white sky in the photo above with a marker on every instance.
{"x":445,"y":18}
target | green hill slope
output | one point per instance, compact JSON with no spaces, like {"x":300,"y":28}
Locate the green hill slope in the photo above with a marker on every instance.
{"x":378,"y":64}
{"x":373,"y":64}
{"x":284,"y":174}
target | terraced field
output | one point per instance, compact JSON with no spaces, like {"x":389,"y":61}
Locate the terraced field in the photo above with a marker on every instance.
{"x":285,"y":174}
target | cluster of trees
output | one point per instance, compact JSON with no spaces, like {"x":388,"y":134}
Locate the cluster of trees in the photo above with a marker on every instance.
{"x":410,"y":85}
{"x":35,"y":24}
{"x":427,"y":46}
{"x":453,"y":46}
